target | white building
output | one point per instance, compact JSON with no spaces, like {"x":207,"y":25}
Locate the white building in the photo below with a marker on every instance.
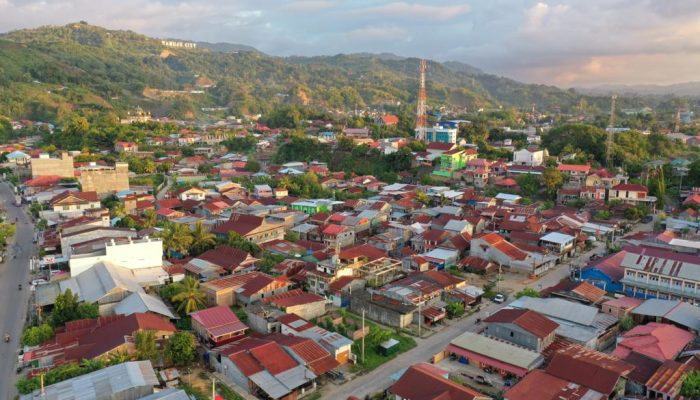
{"x":128,"y":253}
{"x":532,"y":158}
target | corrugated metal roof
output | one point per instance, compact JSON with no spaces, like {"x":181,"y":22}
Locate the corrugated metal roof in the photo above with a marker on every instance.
{"x":559,"y":308}
{"x":498,"y":350}
{"x":135,"y":378}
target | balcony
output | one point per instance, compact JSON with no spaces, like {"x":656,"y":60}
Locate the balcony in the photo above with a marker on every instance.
{"x":657,"y":286}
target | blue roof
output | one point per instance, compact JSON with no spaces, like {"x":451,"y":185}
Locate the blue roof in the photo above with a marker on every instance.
{"x":17,"y":154}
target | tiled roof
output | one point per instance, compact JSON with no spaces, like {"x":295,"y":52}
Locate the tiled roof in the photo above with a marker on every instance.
{"x":240,"y":223}
{"x":45,"y":180}
{"x":531,"y":321}
{"x":232,"y":281}
{"x":574,"y":168}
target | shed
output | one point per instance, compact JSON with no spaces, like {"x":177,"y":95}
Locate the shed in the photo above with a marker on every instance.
{"x":389,"y":347}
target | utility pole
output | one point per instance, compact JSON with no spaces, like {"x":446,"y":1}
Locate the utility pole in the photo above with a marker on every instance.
{"x":419,"y":318}
{"x":363,"y":335}
{"x":213,"y":388}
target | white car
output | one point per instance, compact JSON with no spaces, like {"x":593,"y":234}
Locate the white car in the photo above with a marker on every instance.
{"x":40,"y":281}
{"x":499,"y":298}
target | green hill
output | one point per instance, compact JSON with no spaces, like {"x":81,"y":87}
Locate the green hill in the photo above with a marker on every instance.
{"x":49,"y":71}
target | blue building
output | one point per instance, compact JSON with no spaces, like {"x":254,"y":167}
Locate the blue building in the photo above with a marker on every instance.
{"x":606,"y":273}
{"x":442,"y":134}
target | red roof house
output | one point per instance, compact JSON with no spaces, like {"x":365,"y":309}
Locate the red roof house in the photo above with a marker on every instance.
{"x":661,"y":342}
{"x":218,"y":325}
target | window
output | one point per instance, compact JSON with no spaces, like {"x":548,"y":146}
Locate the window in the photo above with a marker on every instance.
{"x":511,"y":334}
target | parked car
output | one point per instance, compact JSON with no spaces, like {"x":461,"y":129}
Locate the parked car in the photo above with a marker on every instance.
{"x":499,"y":298}
{"x":40,"y":281}
{"x":647,"y":219}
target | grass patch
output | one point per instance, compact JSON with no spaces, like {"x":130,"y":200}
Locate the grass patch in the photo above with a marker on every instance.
{"x":150,"y":180}
{"x":226,"y":392}
{"x":373,"y":358}
{"x":193,"y":392}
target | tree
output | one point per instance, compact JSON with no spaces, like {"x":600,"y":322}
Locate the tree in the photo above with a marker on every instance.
{"x":37,"y":335}
{"x":191,"y":298}
{"x":378,"y":335}
{"x":202,"y":239}
{"x":627,"y":323}
{"x":177,"y":238}
{"x":252,"y":166}
{"x":691,"y":385}
{"x":454,"y":309}
{"x":145,"y":344}
{"x":88,"y":311}
{"x":65,"y":308}
{"x":237,"y":241}
{"x":150,"y":218}
{"x":529,"y":184}
{"x":181,"y":348}
{"x":118,"y":357}
{"x":422,"y":197}
{"x":527,"y":292}
{"x":552,"y":180}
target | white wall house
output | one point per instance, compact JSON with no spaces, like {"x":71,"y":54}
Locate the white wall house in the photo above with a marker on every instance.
{"x":532,"y":158}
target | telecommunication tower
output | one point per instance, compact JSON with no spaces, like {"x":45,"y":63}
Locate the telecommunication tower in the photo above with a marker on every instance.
{"x":421,"y":107}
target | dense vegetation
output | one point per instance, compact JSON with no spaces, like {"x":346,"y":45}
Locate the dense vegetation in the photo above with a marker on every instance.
{"x":47,"y":72}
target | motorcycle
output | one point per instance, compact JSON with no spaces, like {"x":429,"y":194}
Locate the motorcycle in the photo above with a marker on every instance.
{"x":7,"y":338}
{"x":19,"y":287}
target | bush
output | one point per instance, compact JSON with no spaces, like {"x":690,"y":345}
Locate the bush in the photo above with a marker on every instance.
{"x":37,"y":335}
{"x":527,"y":292}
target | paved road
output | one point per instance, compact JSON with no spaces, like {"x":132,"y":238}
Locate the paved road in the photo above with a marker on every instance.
{"x":379,"y":379}
{"x":13,"y":303}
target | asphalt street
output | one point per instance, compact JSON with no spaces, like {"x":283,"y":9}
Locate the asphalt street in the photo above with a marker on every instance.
{"x":13,"y":303}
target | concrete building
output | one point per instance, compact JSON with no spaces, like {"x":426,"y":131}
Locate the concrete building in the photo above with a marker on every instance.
{"x":525,"y":328}
{"x":105,"y":180}
{"x":531,"y":158}
{"x":127,"y":252}
{"x":49,"y":166}
{"x":441,"y":134}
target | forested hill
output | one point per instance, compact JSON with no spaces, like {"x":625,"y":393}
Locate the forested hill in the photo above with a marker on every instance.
{"x":47,"y":72}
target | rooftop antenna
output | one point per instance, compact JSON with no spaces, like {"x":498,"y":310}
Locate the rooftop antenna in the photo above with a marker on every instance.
{"x":611,"y":128}
{"x":421,"y":106}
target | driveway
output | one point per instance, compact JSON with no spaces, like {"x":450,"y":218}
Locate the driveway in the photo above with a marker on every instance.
{"x":14,"y":302}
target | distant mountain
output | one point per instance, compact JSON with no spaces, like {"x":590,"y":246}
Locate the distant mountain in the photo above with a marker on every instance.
{"x":226,"y":47}
{"x":686,"y":89}
{"x":48,"y":71}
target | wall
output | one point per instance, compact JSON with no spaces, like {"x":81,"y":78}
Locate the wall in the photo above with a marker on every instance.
{"x":142,"y":254}
{"x":62,"y":166}
{"x":383,"y":315}
{"x":308,"y":311}
{"x":520,"y":337}
{"x":105,"y":181}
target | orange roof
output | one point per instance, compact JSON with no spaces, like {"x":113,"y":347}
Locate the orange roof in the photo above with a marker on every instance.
{"x":574,"y":168}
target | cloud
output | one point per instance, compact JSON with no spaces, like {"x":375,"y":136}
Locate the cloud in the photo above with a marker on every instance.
{"x":308,"y":6}
{"x":401,"y":9}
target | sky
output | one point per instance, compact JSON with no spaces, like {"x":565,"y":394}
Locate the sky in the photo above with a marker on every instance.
{"x":566,"y":42}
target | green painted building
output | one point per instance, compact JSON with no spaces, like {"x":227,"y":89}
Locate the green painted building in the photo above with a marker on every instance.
{"x":451,"y":161}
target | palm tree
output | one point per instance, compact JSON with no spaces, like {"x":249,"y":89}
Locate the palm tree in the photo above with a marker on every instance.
{"x":202,"y":239}
{"x":118,"y":357}
{"x":191,"y":298}
{"x":176,"y":238}
{"x":149,"y":218}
